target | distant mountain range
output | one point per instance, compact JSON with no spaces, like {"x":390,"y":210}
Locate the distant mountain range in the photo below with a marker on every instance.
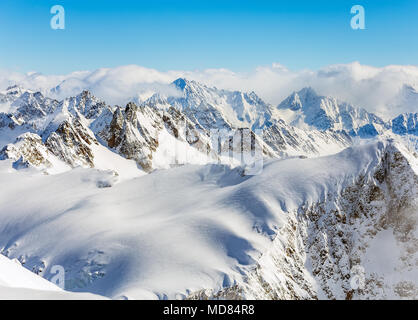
{"x":43,"y":132}
{"x":165,"y":197}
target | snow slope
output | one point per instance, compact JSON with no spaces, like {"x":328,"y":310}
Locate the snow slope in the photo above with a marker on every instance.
{"x":17,"y":282}
{"x":99,"y":203}
{"x":208,"y":231}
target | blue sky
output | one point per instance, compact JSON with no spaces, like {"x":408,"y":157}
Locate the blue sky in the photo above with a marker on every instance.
{"x":200,"y":34}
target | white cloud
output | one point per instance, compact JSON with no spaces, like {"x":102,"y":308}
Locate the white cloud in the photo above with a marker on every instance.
{"x":376,"y":89}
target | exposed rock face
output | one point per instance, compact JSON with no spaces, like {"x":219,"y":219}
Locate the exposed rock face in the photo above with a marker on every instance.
{"x":132,"y":139}
{"x":31,"y":106}
{"x":135,"y":132}
{"x":86,"y":104}
{"x":63,"y":126}
{"x":8,"y":120}
{"x":287,"y":141}
{"x":241,"y":147}
{"x":406,"y":124}
{"x":149,"y":132}
{"x":334,"y":249}
{"x":71,"y":143}
{"x":12,"y":93}
{"x":28,"y":150}
{"x":212,"y":108}
{"x":319,"y":249}
{"x":182,"y":128}
{"x":221,"y":112}
{"x":307,"y":108}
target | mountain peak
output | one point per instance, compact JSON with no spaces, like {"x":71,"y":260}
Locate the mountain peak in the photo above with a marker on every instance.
{"x":298,"y":99}
{"x":307,"y":91}
{"x":306,"y":108}
{"x":16,"y":90}
{"x":181,"y":83}
{"x":13,"y":87}
{"x":86,"y":92}
{"x":406,"y":123}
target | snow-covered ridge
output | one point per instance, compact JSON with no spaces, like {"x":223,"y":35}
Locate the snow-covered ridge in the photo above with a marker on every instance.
{"x":406,"y":123}
{"x":73,"y":127}
{"x":294,"y":231}
{"x":163,"y":131}
{"x":159,"y":133}
{"x":336,"y":183}
{"x":307,"y":109}
{"x":16,"y":282}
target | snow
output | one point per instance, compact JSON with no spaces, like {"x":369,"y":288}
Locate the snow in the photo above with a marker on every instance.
{"x":305,"y":109}
{"x":16,"y":282}
{"x":215,"y":108}
{"x":385,"y":258}
{"x":169,"y":233}
{"x":9,"y":136}
{"x":173,"y":151}
{"x":190,"y":224}
{"x":5,"y":107}
{"x":107,"y":160}
{"x":13,"y":274}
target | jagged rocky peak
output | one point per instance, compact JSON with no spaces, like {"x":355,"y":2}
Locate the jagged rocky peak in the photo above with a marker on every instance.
{"x":87,"y":104}
{"x":252,"y":96}
{"x":307,"y":109}
{"x":136,"y":131}
{"x":193,"y":91}
{"x":142,"y":132}
{"x":180,"y":83}
{"x":298,"y":99}
{"x":131,"y":110}
{"x":15,"y":90}
{"x":12,"y":93}
{"x":27,"y":151}
{"x":406,"y":123}
{"x":242,"y":145}
{"x":133,"y":133}
{"x":213,"y":108}
{"x":71,"y":143}
{"x":32,"y":105}
{"x":9,"y":120}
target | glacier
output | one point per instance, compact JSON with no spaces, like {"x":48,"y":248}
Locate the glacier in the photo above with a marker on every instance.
{"x":140,"y":202}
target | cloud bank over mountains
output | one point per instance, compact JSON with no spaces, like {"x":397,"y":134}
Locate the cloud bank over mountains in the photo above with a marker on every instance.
{"x":386,"y":91}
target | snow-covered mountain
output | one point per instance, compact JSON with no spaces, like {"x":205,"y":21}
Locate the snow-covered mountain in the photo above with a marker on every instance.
{"x":159,"y":133}
{"x":214,"y":108}
{"x":307,"y":109}
{"x":12,"y":93}
{"x":405,"y":124}
{"x":166,"y":131}
{"x":302,"y":229}
{"x":156,"y":199}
